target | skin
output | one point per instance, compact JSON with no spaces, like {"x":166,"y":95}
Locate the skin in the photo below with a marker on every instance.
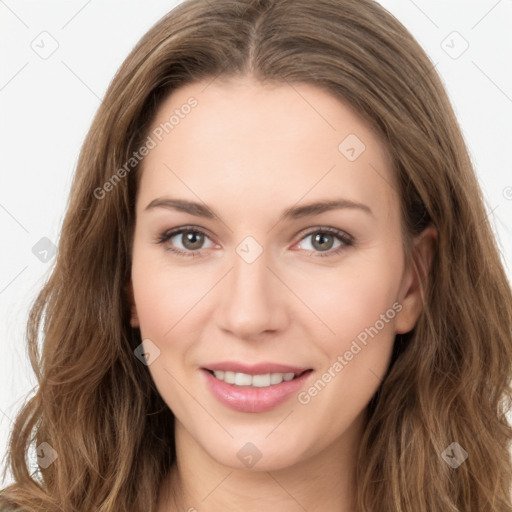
{"x":249,"y":151}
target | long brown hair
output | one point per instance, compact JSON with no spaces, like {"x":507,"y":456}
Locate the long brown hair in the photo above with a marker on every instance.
{"x":449,"y":379}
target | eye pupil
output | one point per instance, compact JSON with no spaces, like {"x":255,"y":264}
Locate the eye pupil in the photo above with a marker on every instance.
{"x":320,"y":239}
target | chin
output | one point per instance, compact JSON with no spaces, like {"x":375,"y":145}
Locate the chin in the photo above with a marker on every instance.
{"x":255,"y":456}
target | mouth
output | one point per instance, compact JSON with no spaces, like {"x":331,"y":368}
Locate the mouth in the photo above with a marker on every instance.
{"x":255,"y":380}
{"x":255,"y":392}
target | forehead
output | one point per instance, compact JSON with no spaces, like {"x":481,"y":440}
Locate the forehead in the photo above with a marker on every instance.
{"x":254,"y":141}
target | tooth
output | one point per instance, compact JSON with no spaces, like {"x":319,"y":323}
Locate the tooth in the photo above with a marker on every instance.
{"x":229,"y":377}
{"x":261,"y":381}
{"x":276,"y":378}
{"x":243,"y":379}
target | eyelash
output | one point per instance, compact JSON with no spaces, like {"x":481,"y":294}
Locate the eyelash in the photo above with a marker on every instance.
{"x":343,"y":237}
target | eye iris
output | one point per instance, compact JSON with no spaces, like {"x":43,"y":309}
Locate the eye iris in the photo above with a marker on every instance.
{"x":192,"y":240}
{"x":320,"y":238}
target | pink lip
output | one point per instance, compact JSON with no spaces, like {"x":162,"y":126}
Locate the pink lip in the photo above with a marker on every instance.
{"x":253,"y":399}
{"x":254,"y":369}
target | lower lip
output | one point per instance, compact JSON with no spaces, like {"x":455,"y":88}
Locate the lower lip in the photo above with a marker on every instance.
{"x":253,"y":399}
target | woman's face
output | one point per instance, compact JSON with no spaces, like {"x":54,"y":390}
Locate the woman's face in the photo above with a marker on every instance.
{"x":291,"y":258}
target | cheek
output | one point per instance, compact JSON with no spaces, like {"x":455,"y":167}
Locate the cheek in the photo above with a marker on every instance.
{"x":156,"y":302}
{"x":164,"y":299}
{"x":354,"y":296}
{"x":358,"y":304}
{"x":163,"y":294}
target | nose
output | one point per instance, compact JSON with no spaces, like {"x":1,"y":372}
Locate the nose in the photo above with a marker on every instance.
{"x":253,"y":301}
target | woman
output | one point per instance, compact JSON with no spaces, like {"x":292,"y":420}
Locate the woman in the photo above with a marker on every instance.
{"x":276,"y":285}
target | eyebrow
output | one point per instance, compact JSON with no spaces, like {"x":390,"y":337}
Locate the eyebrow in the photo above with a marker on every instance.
{"x":293,"y":212}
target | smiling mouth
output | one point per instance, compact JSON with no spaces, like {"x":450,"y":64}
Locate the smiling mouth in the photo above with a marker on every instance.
{"x":258,"y":381}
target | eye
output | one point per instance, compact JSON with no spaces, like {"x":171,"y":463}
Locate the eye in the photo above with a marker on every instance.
{"x":188,"y":241}
{"x":327,"y":241}
{"x":190,"y":238}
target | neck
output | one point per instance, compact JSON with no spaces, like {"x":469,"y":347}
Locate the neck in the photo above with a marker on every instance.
{"x":322,"y":482}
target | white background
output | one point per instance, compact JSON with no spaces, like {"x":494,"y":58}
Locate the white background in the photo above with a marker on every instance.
{"x":48,"y":104}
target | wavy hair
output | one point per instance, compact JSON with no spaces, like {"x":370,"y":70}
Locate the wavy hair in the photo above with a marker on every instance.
{"x":449,"y":378}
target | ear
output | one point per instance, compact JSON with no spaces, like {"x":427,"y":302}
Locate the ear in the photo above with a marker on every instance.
{"x":416,"y":275}
{"x":134,"y":318}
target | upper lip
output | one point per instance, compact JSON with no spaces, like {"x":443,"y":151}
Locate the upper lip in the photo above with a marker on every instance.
{"x":254,"y":369}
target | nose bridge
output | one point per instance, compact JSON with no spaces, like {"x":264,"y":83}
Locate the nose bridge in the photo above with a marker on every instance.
{"x":250,"y":278}
{"x":251,"y":302}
